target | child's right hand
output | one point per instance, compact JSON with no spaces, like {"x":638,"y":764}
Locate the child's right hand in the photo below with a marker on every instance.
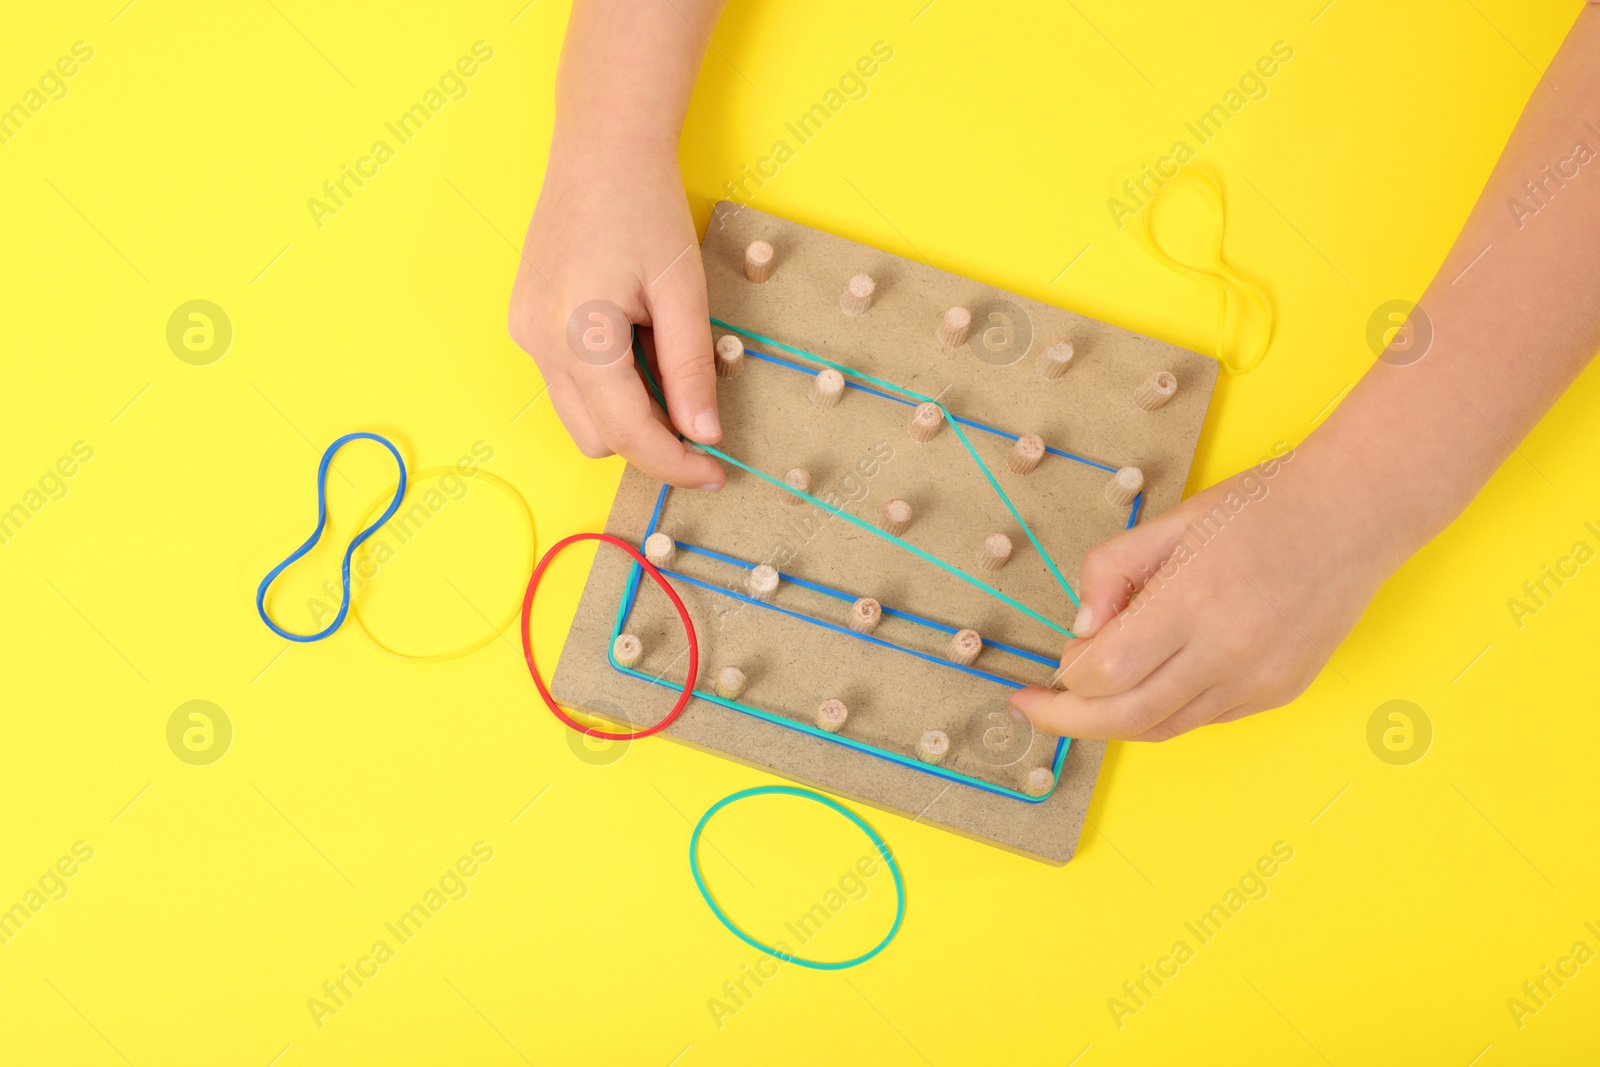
{"x":616,"y":228}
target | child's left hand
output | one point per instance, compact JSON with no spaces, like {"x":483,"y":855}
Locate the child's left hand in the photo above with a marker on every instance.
{"x":1208,"y":614}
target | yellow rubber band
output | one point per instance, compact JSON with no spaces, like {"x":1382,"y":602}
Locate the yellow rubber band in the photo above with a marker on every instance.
{"x":516,"y":607}
{"x":1219,"y":274}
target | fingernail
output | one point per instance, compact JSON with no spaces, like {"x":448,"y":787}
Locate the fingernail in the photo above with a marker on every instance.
{"x":707,"y":426}
{"x":1082,"y":621}
{"x":712,"y":487}
{"x":1016,"y":713}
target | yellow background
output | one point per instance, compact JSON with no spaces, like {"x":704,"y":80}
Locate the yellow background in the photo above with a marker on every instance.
{"x":221,"y":897}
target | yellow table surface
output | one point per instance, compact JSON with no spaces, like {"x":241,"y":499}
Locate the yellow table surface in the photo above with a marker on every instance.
{"x":221,"y":894}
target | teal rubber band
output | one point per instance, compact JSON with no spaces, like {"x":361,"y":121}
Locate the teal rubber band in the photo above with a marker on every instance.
{"x":870,"y":527}
{"x":625,"y":605}
{"x":954,"y":425}
{"x":872,"y":835}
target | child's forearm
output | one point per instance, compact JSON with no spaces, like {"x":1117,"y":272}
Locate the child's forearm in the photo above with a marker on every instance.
{"x":1515,"y":314}
{"x":627,"y":69}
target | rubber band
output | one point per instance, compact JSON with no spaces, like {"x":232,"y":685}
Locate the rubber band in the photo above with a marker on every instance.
{"x":955,"y":424}
{"x":672,"y":595}
{"x":828,"y":802}
{"x":850,"y":598}
{"x":625,"y":606}
{"x":767,"y":357}
{"x":1221,"y":277}
{"x":873,"y":528}
{"x":316,"y":535}
{"x":533,"y":555}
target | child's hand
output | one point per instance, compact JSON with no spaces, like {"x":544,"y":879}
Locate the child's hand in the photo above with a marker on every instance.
{"x":1233,"y":610}
{"x":619,"y":230}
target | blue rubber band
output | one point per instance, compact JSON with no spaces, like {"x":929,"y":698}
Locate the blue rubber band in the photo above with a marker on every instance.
{"x":316,"y":535}
{"x":955,"y":425}
{"x":766,"y":357}
{"x":850,"y":598}
{"x":872,"y":835}
{"x":836,"y":628}
{"x":875,"y":530}
{"x":625,"y":606}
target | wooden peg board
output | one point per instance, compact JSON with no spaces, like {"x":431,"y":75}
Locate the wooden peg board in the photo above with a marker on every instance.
{"x":860,"y":455}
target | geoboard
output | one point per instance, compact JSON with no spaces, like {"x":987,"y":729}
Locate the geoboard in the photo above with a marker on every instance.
{"x":1107,"y":401}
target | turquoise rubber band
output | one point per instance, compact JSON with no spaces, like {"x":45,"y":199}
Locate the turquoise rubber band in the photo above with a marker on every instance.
{"x":872,"y":835}
{"x":955,"y":424}
{"x":625,"y":605}
{"x":870,"y":527}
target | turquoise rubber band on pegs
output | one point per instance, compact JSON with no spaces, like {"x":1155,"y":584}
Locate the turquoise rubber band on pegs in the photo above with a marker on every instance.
{"x":872,"y":835}
{"x":870,"y":527}
{"x":955,"y":424}
{"x":316,"y":535}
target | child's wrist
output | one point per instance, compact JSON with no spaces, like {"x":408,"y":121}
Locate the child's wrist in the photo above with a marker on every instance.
{"x":1385,"y":504}
{"x":599,"y":145}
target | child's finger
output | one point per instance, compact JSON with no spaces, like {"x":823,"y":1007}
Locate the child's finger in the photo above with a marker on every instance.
{"x":1121,"y":715}
{"x":621,"y":411}
{"x":574,"y":415}
{"x":682,"y":335}
{"x":1117,"y":568}
{"x":1119,"y":657}
{"x":1203,"y":709}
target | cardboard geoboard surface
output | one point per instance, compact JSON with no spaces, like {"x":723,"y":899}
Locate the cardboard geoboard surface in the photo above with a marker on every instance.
{"x":860,"y":455}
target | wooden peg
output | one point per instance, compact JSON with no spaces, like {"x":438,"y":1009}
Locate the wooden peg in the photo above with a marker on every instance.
{"x":1157,"y":391}
{"x":730,"y":683}
{"x":763,"y":582}
{"x":1039,"y":781}
{"x":730,"y":356}
{"x":865,"y":615}
{"x":758,"y":260}
{"x":628,"y":650}
{"x":994,"y":552}
{"x":660,"y":549}
{"x":896,"y":516}
{"x":857,"y":295}
{"x":831,"y":715}
{"x":952,"y":332}
{"x":926,"y":422}
{"x":1124,"y":486}
{"x":965,"y":646}
{"x":827,"y":389}
{"x":796,"y":478}
{"x":933,"y":746}
{"x":1026,"y":454}
{"x":1055,"y":360}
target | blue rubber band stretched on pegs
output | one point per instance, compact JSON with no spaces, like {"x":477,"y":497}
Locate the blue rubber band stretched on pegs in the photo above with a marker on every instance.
{"x":872,"y":835}
{"x":316,"y":535}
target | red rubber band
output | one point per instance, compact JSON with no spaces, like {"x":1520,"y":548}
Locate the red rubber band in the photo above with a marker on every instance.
{"x":672,"y":595}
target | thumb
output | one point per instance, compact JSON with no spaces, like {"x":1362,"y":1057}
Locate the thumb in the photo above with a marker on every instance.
{"x":1114,"y":570}
{"x":680,"y":323}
